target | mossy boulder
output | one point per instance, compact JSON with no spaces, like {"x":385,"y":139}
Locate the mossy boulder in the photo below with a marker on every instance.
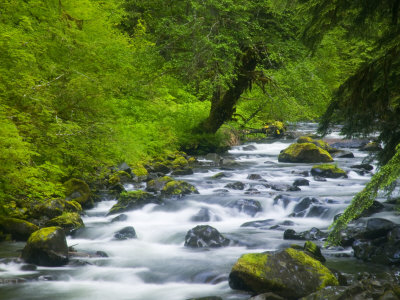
{"x":67,"y":221}
{"x":79,"y":191}
{"x":46,"y":247}
{"x":140,"y":172}
{"x":318,"y":143}
{"x":157,"y":184}
{"x":328,"y":171}
{"x":304,"y":153}
{"x":178,"y":188}
{"x":288,"y":273}
{"x":119,"y":177}
{"x":179,"y":163}
{"x":133,"y":200}
{"x":53,"y":208}
{"x":275,"y":129}
{"x":19,"y":230}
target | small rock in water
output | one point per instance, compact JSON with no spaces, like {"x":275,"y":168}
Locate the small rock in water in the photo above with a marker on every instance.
{"x":343,"y":154}
{"x":313,"y":234}
{"x":221,"y":191}
{"x":258,"y":224}
{"x":28,"y":267}
{"x":301,"y":182}
{"x":202,"y":216}
{"x":235,"y":185}
{"x":366,"y":167}
{"x":101,"y":254}
{"x":302,"y":173}
{"x":249,"y":148}
{"x":125,"y":233}
{"x":247,"y":206}
{"x":252,"y":191}
{"x":204,"y":236}
{"x":220,"y":175}
{"x":120,"y":218}
{"x":283,"y":200}
{"x":254,"y":177}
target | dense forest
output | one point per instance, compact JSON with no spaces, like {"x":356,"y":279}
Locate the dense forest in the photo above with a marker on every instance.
{"x":89,"y":86}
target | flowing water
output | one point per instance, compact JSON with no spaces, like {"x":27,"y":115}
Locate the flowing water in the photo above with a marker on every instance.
{"x":156,"y":265}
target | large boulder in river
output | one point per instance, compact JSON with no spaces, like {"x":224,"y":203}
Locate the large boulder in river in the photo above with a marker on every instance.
{"x":20,"y":230}
{"x":304,"y":153}
{"x":204,"y":236}
{"x":133,"y":200}
{"x":79,"y":191}
{"x":53,"y":208}
{"x":328,"y":171}
{"x":46,"y":247}
{"x":288,"y":273}
{"x":319,"y":143}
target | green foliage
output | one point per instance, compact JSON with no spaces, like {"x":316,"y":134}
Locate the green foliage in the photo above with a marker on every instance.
{"x":385,"y":178}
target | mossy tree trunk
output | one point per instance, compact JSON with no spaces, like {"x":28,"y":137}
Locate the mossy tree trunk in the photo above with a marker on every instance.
{"x":223,"y":102}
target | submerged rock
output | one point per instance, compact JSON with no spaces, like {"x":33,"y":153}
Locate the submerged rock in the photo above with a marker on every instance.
{"x":249,"y":148}
{"x":343,"y":154}
{"x":301,"y":182}
{"x":254,"y":177}
{"x":125,"y":233}
{"x":328,"y":171}
{"x":309,"y":207}
{"x":258,"y":223}
{"x":304,"y":153}
{"x":133,"y":200}
{"x":235,"y":185}
{"x":247,"y":206}
{"x":288,"y":273}
{"x":46,"y":247}
{"x":204,"y":236}
{"x":313,"y":234}
{"x":20,"y":230}
{"x":203,"y":215}
{"x":119,"y":218}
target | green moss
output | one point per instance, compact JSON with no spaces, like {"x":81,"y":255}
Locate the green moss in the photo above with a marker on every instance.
{"x":329,"y":168}
{"x":139,"y":170}
{"x":42,"y":234}
{"x":179,"y":163}
{"x":73,"y":206}
{"x":67,"y":221}
{"x":133,"y":200}
{"x":326,"y":276}
{"x":192,"y":160}
{"x":304,"y":139}
{"x":252,"y":263}
{"x":77,"y":190}
{"x":119,"y":177}
{"x":305,"y":152}
{"x":177,"y":188}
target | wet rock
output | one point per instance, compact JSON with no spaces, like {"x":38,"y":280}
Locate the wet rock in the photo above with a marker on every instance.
{"x":178,"y":188}
{"x":267,"y":296}
{"x":366,"y":167}
{"x":304,"y":153}
{"x":101,"y":254}
{"x":314,"y":251}
{"x":359,"y":290}
{"x":371,"y":147}
{"x":283,"y":200}
{"x":319,"y":178}
{"x":309,"y":207}
{"x":258,"y":223}
{"x":377,"y":227}
{"x":301,"y":173}
{"x":343,"y":154}
{"x":46,"y":247}
{"x":301,"y":182}
{"x":78,"y":190}
{"x":376,"y":207}
{"x":69,"y":221}
{"x":133,"y":200}
{"x":249,"y":148}
{"x":247,"y":206}
{"x":287,"y":223}
{"x":252,"y":191}
{"x":20,"y":230}
{"x":203,"y":215}
{"x":227,"y":163}
{"x":53,"y":208}
{"x":288,"y":273}
{"x":28,"y":267}
{"x":221,"y":191}
{"x":313,"y":234}
{"x":125,"y":233}
{"x":204,"y":236}
{"x":159,"y":167}
{"x":119,"y":218}
{"x":220,"y":175}
{"x":254,"y":177}
{"x":235,"y":185}
{"x":283,"y":187}
{"x":328,"y":171}
{"x":182,"y":172}
{"x":119,"y":178}
{"x":353,"y":143}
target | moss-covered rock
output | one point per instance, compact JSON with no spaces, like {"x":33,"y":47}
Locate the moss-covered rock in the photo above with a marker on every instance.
{"x":67,"y":221}
{"x":46,"y":247}
{"x":119,"y":177}
{"x":318,"y":143}
{"x":19,"y":230}
{"x":156,"y":185}
{"x":328,"y":171}
{"x":133,"y":200}
{"x":140,"y":172}
{"x":275,"y":129}
{"x":178,"y":188}
{"x":179,"y":163}
{"x":79,"y":191}
{"x":53,"y":208}
{"x":304,"y":153}
{"x":288,"y":273}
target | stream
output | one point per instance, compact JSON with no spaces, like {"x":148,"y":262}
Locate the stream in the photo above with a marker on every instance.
{"x":156,"y":265}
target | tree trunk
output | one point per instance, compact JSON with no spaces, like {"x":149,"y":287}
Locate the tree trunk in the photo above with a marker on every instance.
{"x":223,"y":104}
